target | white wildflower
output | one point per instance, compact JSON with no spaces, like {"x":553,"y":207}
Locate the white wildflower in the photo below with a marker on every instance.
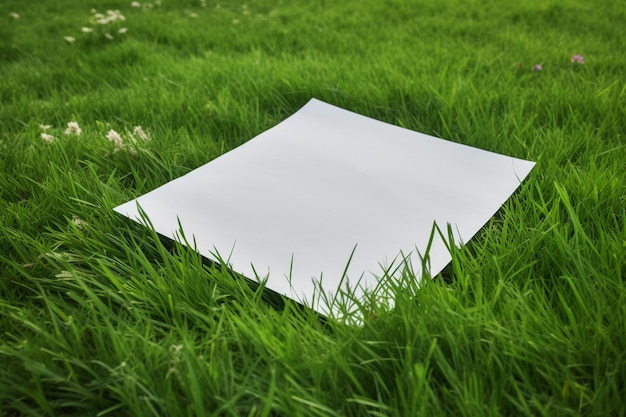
{"x":115,"y":15}
{"x":79,"y":223}
{"x":73,"y":129}
{"x":135,"y":4}
{"x":115,"y":137}
{"x":47,"y":138}
{"x":100,"y":19}
{"x":122,"y":30}
{"x":14,"y":15}
{"x":45,"y":127}
{"x":69,"y":39}
{"x":108,"y":36}
{"x":85,"y":29}
{"x":138,"y":130}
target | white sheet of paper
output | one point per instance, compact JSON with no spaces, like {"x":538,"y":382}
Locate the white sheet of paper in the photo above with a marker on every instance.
{"x":294,"y":203}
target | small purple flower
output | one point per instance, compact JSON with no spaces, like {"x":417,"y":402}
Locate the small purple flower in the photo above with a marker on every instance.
{"x":577,"y":59}
{"x":537,"y":67}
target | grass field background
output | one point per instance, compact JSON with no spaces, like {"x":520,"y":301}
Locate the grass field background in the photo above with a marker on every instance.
{"x":97,"y":317}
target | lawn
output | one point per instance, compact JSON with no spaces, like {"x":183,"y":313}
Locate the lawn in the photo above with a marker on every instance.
{"x":99,"y":316}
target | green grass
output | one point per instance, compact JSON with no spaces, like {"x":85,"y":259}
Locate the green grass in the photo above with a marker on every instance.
{"x":101,"y":318}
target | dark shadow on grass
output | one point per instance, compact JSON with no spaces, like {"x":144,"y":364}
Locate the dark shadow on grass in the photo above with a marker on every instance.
{"x":273,"y":299}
